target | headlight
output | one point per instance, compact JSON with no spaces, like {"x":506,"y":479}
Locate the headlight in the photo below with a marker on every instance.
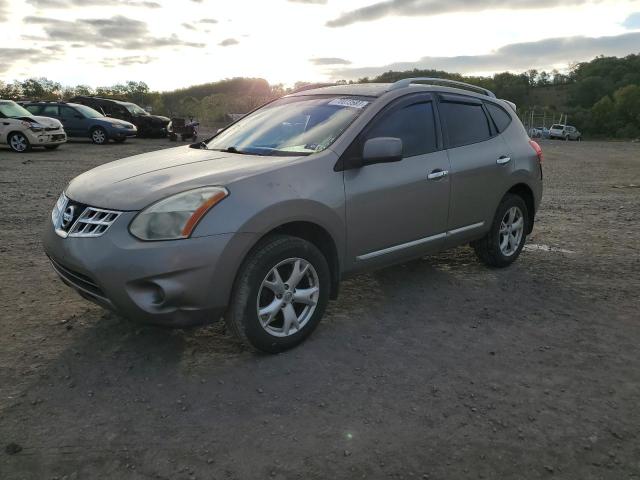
{"x":177,"y":216}
{"x":34,"y":127}
{"x":117,"y":125}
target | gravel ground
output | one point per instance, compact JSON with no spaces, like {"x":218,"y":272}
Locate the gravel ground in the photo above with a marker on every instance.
{"x":439,"y":369}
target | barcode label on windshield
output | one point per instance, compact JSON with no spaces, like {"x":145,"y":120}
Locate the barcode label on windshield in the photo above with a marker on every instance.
{"x":348,"y":102}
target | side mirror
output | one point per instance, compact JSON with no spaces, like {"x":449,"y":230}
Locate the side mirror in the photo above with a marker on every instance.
{"x":382,"y":150}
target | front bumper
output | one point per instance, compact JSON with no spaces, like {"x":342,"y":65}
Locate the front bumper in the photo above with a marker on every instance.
{"x":122,"y":132}
{"x":46,"y":138}
{"x":176,"y":283}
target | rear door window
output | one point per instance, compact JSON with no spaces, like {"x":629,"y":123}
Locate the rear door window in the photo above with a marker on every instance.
{"x":414,"y":124}
{"x":500,"y":117}
{"x":464,"y":123}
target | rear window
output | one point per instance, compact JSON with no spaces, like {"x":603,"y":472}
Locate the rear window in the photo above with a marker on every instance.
{"x":465,"y":124}
{"x":500,"y":117}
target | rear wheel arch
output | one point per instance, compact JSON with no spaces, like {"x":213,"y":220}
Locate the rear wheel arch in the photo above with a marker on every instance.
{"x":526,"y":193}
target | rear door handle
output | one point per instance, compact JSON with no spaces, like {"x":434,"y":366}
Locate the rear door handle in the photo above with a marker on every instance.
{"x":503,"y":160}
{"x":436,"y":174}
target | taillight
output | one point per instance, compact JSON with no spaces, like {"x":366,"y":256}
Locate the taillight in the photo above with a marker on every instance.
{"x":537,"y":149}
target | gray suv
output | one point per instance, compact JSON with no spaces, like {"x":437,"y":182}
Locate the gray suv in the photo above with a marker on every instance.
{"x":260,"y":223}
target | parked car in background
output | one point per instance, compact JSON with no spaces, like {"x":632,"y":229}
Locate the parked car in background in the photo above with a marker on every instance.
{"x":82,"y":121}
{"x":564,"y":132}
{"x":21,"y":130}
{"x":259,"y":223}
{"x":148,"y":125}
{"x":539,"y":132}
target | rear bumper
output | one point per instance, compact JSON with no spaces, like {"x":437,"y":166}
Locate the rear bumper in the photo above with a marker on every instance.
{"x":174,"y":283}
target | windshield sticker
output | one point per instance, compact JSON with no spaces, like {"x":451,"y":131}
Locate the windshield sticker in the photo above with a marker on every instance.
{"x":348,"y":102}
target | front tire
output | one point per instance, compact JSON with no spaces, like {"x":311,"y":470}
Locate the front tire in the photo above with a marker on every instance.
{"x":280,"y":294}
{"x":18,"y":142}
{"x":502,"y":245}
{"x":99,"y":136}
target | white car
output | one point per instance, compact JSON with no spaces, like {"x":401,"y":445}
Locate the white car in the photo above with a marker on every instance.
{"x":564,"y":132}
{"x":21,"y":130}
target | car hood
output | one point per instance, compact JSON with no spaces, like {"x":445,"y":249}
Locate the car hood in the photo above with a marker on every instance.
{"x":44,"y":121}
{"x":154,"y":119}
{"x":135,"y":182}
{"x":118,"y":121}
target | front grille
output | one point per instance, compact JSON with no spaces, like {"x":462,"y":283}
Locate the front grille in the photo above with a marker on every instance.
{"x":93,"y":222}
{"x":75,"y":219}
{"x":58,"y":136}
{"x":51,"y":129}
{"x":77,"y":280}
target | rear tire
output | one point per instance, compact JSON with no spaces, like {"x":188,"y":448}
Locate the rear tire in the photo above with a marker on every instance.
{"x":280,"y":294}
{"x":99,"y":136}
{"x":502,"y":245}
{"x":18,"y":142}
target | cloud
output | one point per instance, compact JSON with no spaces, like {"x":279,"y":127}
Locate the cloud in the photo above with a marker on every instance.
{"x":437,"y":7}
{"x":188,"y":26}
{"x":208,"y":20}
{"x":227,"y":42}
{"x":3,"y":10}
{"x":309,"y":2}
{"x":31,"y":56}
{"x":115,"y":32}
{"x":329,"y":61}
{"x":89,"y":3}
{"x":127,"y":61}
{"x":632,"y":22}
{"x":516,"y":57}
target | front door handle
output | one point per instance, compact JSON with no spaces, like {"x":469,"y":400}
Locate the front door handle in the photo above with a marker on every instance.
{"x":436,"y":174}
{"x":503,"y":160}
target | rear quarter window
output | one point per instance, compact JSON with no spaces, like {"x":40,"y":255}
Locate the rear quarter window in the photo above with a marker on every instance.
{"x":500,"y":117}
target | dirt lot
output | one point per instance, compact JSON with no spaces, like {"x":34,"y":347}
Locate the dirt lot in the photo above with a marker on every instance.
{"x":438,"y":369}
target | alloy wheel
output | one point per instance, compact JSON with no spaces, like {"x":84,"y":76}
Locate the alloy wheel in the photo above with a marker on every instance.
{"x":18,"y":142}
{"x":511,"y":231}
{"x":284,"y":307}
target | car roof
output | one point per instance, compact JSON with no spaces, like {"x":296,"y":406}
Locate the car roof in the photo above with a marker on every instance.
{"x":46,"y":102}
{"x":379,"y":89}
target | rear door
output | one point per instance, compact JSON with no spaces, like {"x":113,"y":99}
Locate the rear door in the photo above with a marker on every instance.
{"x":481,"y":165}
{"x":393,"y":209}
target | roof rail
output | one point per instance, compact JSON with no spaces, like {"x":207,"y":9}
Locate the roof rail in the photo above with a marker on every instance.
{"x":405,"y":82}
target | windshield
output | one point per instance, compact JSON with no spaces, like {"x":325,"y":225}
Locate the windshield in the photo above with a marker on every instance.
{"x":291,"y":126}
{"x":12,"y":109}
{"x":134,"y":109}
{"x":88,"y":112}
{"x":557,"y":127}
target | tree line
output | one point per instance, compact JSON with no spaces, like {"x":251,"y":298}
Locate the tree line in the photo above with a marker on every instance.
{"x":601,"y":97}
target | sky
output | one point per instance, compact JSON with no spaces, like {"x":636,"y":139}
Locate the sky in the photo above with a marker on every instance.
{"x":176,"y":43}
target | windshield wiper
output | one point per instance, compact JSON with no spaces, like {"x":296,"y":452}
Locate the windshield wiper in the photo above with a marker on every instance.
{"x":235,"y":150}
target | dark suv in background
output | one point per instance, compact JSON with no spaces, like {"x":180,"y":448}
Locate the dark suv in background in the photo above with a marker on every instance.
{"x":148,"y":125}
{"x":83,"y":121}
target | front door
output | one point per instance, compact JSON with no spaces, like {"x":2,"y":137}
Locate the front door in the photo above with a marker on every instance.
{"x":73,"y":121}
{"x":399,"y":210}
